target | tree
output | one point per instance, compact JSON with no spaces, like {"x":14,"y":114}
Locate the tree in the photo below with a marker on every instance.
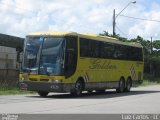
{"x":156,"y":44}
{"x":105,"y":33}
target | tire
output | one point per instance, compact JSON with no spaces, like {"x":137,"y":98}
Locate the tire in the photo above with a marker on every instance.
{"x":42,"y":93}
{"x":128,"y":85}
{"x":78,"y":88}
{"x":121,"y":86}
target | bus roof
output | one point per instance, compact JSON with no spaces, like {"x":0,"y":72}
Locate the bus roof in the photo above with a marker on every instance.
{"x":89,"y":36}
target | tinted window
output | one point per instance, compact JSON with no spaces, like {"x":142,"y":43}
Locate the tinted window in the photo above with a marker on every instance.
{"x":52,"y":56}
{"x":99,"y":49}
{"x":71,"y":55}
{"x":84,"y":48}
{"x":90,"y":48}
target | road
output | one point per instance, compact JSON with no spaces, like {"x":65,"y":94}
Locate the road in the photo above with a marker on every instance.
{"x":139,"y":100}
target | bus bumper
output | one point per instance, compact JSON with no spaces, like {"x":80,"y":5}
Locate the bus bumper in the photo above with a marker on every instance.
{"x":47,"y":87}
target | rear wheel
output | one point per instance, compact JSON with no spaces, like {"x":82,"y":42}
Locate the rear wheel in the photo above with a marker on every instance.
{"x":78,"y":88}
{"x":42,"y":93}
{"x":121,"y":86}
{"x":128,"y":85}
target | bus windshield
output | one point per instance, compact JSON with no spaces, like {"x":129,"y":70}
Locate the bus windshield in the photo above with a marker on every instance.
{"x":44,"y":55}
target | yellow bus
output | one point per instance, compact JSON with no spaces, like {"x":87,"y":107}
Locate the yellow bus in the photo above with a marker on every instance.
{"x":72,"y":62}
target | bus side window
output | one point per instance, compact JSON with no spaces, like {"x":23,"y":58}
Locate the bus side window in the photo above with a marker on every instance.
{"x":70,"y":55}
{"x":84,"y":47}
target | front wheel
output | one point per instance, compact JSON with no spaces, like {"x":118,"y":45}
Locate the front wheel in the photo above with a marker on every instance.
{"x":78,"y":88}
{"x":42,"y":93}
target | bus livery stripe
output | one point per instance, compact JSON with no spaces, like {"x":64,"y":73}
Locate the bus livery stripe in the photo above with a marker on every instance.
{"x":133,"y":73}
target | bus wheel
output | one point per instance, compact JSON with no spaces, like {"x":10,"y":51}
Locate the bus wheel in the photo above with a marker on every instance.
{"x":121,"y":87}
{"x":128,"y":85}
{"x":42,"y":93}
{"x":78,"y":88}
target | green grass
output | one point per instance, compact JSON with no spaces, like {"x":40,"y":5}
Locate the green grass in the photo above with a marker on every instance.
{"x":150,"y":80}
{"x":8,"y":90}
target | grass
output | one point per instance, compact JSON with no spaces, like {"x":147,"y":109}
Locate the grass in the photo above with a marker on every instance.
{"x":150,"y":80}
{"x":12,"y":90}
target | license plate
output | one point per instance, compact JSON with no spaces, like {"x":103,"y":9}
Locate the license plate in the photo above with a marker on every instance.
{"x":23,"y":86}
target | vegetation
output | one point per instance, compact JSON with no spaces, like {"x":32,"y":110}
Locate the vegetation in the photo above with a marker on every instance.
{"x":148,"y":82}
{"x":12,"y":90}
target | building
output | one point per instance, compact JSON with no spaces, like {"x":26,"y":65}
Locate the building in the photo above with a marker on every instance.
{"x":10,"y":50}
{"x":8,"y":57}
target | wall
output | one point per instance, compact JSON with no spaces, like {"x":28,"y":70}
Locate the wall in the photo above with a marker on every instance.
{"x":8,"y":57}
{"x":8,"y":71}
{"x":8,"y":77}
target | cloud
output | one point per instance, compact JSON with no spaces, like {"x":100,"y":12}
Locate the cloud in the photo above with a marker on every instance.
{"x":147,"y":28}
{"x":20,"y":17}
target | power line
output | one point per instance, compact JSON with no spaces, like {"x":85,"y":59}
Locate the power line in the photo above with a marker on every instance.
{"x":140,"y":18}
{"x":121,"y":31}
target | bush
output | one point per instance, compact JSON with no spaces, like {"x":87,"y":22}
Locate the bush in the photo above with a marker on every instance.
{"x":152,"y":66}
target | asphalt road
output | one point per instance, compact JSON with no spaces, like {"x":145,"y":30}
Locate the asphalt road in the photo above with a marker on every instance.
{"x":139,"y":100}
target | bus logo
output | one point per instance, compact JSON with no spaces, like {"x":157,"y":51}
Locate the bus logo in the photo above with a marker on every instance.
{"x":100,"y":64}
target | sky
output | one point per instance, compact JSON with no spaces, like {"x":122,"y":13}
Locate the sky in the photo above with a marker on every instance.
{"x":21,"y":17}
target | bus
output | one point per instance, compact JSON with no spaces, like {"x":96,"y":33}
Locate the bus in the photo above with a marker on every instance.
{"x":73,"y":62}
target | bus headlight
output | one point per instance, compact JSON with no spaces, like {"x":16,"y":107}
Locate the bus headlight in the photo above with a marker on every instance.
{"x":57,"y":81}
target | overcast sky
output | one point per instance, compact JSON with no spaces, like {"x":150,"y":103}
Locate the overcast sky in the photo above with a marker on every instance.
{"x":20,"y":17}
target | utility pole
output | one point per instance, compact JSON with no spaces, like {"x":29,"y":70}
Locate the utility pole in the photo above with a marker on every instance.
{"x":115,"y":16}
{"x":114,"y":22}
{"x":151,"y":64}
{"x":151,"y":46}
